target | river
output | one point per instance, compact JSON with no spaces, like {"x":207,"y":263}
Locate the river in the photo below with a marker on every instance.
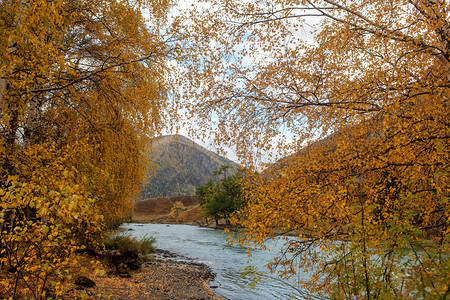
{"x":210,"y":247}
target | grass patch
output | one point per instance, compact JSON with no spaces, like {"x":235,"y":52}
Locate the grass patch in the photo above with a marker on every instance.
{"x":122,"y":243}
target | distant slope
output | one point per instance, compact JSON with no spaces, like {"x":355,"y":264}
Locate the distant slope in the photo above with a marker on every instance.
{"x":182,"y":166}
{"x":163,"y":204}
{"x":157,"y":210}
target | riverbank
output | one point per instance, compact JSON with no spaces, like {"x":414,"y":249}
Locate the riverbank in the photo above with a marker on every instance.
{"x":158,"y":211}
{"x":164,"y":276}
{"x":228,"y":262}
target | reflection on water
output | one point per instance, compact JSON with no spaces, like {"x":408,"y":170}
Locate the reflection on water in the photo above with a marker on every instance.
{"x":210,"y":246}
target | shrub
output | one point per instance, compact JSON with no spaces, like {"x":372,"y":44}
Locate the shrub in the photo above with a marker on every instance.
{"x":123,"y":243}
{"x":44,"y":219}
{"x":176,"y":210}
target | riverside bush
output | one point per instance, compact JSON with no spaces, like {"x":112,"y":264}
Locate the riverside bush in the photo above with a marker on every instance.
{"x":45,"y":216}
{"x":123,"y":243}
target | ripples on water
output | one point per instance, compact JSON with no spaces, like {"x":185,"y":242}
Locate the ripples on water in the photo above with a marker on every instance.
{"x":210,"y":246}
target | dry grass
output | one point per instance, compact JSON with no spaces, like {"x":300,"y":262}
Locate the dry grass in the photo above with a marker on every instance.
{"x":163,"y":204}
{"x":157,"y":210}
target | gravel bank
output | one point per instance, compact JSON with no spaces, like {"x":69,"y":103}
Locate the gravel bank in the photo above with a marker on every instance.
{"x":168,"y":277}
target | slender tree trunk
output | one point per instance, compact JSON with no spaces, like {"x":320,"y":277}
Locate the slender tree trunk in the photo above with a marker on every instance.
{"x":10,"y":137}
{"x":3,"y":91}
{"x":30,"y":124}
{"x":4,"y":82}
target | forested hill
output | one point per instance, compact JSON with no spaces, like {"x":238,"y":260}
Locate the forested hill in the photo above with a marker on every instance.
{"x":182,"y":165}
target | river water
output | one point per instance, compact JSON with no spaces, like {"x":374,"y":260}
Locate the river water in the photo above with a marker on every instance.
{"x":210,"y":247}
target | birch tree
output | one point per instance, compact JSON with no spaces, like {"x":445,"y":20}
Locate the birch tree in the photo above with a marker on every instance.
{"x":366,"y":185}
{"x":83,"y":89}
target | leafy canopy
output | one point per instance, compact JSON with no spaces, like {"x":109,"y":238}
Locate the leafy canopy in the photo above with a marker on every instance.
{"x":367,"y":106}
{"x":83,"y":89}
{"x":223,"y":199}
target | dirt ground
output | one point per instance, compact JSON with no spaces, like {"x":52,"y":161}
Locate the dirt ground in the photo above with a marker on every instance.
{"x":164,"y":278}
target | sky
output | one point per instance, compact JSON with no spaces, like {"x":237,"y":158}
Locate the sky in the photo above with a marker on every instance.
{"x":305,"y":33}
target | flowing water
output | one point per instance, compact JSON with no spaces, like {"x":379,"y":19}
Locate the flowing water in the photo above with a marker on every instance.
{"x":210,"y":247}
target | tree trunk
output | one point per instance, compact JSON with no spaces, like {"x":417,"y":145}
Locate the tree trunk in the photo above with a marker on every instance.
{"x":9,"y":139}
{"x":3,"y":91}
{"x":30,"y":124}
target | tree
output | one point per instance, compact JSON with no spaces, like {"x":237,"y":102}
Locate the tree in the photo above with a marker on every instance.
{"x":43,"y":221}
{"x":230,"y":196}
{"x":206,"y":195}
{"x":221,"y":200}
{"x":222,"y":171}
{"x":83,"y":73}
{"x":176,"y":210}
{"x":204,"y":192}
{"x":83,"y":89}
{"x":367,"y":105}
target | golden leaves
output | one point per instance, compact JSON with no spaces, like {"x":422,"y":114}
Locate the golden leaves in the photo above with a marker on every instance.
{"x":369,"y":100}
{"x":41,"y":221}
{"x":88,"y":71}
{"x":84,"y":89}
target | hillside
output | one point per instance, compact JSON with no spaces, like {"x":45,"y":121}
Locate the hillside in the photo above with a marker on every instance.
{"x":181,"y":167}
{"x":157,"y":210}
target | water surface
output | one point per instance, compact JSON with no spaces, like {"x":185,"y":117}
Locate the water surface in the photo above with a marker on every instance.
{"x":210,"y":246}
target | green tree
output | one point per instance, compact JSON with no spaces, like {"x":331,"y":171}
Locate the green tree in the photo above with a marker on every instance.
{"x":206,"y":194}
{"x":229,"y":198}
{"x":222,"y":200}
{"x":222,"y":171}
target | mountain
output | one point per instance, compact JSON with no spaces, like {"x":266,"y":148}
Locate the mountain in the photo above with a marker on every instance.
{"x":181,"y":167}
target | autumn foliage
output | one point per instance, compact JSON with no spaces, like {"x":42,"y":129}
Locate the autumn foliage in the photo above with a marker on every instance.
{"x":359,"y":88}
{"x":365,"y":186}
{"x":45,"y":219}
{"x":82,"y":92}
